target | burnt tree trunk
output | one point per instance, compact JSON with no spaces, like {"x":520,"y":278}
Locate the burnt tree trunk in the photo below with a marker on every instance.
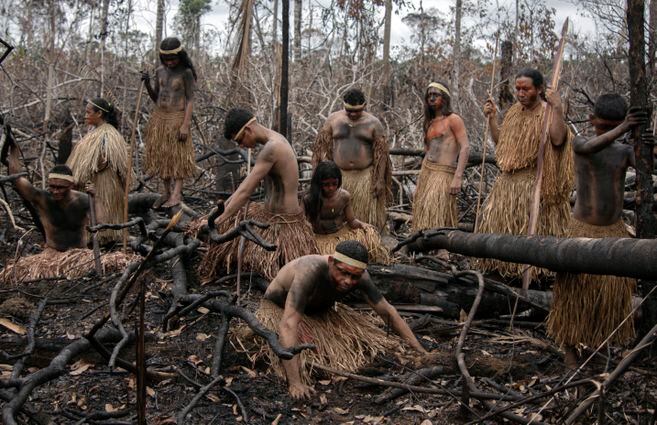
{"x":645,"y":219}
{"x":506,"y":74}
{"x":606,"y":256}
{"x":285,"y":58}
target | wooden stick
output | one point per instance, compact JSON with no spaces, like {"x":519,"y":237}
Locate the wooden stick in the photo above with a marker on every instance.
{"x":128,"y":178}
{"x":547,"y":119}
{"x":94,"y":235}
{"x":485,"y":138}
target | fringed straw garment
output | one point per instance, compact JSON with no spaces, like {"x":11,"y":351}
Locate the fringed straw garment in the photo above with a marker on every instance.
{"x":101,"y":157}
{"x":433,"y":205}
{"x":368,"y":236}
{"x":345,"y":339}
{"x":290,"y":232}
{"x":71,"y":264}
{"x":166,"y":157}
{"x":587,"y":308}
{"x":506,"y":210}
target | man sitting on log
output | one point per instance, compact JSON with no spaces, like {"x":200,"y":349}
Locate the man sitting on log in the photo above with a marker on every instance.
{"x":355,"y":140}
{"x":301,"y":303}
{"x":63,"y":213}
{"x":276,"y":165}
{"x":588,"y":308}
{"x":446,"y":155}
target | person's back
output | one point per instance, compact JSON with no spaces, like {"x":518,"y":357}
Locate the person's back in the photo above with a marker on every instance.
{"x":600,"y":182}
{"x":64,"y":223}
{"x":282,"y":180}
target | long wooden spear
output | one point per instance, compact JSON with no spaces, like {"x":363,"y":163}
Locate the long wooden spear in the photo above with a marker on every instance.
{"x":482,"y":170}
{"x":128,"y":178}
{"x":547,"y":119}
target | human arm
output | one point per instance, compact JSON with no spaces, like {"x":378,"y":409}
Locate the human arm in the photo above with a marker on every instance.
{"x":380,"y":159}
{"x":388,"y":313}
{"x":349,"y":215}
{"x":490,"y":110}
{"x":458,"y":129}
{"x":152,"y":92}
{"x":558,"y":130}
{"x":21,"y":184}
{"x":190,"y":88}
{"x":583,"y":146}
{"x":263,"y":165}
{"x":287,"y":334}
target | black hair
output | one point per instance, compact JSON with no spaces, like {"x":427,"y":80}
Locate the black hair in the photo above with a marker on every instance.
{"x":171,"y":43}
{"x":610,"y":106}
{"x":537,"y":78}
{"x":312,"y":200}
{"x":62,"y":169}
{"x":445,"y":110}
{"x":107,"y":111}
{"x":354,"y":97}
{"x":235,"y":120}
{"x":353,"y":249}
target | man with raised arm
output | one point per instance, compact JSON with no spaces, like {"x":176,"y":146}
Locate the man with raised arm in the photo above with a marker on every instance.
{"x":587,"y":309}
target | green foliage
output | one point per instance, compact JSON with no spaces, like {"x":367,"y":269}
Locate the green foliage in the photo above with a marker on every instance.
{"x":188,"y":20}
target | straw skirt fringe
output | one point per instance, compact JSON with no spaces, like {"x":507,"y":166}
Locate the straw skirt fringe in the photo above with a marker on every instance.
{"x":101,"y":157}
{"x":345,"y":339}
{"x":587,"y":308}
{"x":433,"y":205}
{"x":369,"y":237}
{"x":290,"y":232}
{"x":71,"y":264}
{"x":366,"y":207}
{"x":506,"y":211}
{"x":166,"y":157}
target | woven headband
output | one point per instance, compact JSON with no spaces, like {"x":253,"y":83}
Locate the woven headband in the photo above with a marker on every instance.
{"x":350,"y":107}
{"x":439,"y":87}
{"x":61,"y":177}
{"x":239,"y":133}
{"x":172,"y":51}
{"x":98,"y":106}
{"x":348,"y":260}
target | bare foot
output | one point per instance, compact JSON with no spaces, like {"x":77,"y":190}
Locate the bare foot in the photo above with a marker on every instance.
{"x":158,"y":204}
{"x":442,"y":254}
{"x":570,"y":358}
{"x":172,"y":202}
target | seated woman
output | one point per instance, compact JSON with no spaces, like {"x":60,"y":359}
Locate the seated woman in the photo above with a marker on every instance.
{"x":328,"y":208}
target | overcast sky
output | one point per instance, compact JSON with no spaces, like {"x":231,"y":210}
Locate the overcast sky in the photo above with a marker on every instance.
{"x":218,"y":17}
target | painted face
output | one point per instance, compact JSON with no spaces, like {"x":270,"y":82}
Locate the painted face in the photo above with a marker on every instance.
{"x":343,"y":275}
{"x":434,"y":98}
{"x":170,"y":61}
{"x":59,"y":189}
{"x":354,"y":115}
{"x":329,"y":186}
{"x":526,"y":92}
{"x":91,"y":116}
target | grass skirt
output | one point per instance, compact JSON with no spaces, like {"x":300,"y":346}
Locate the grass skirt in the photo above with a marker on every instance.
{"x":506,"y":211}
{"x":345,"y":339}
{"x":366,"y":207}
{"x":101,"y":157}
{"x":291,"y":232}
{"x":587,"y":308}
{"x":433,"y":205}
{"x":166,"y":157}
{"x":369,"y":237}
{"x":71,"y":264}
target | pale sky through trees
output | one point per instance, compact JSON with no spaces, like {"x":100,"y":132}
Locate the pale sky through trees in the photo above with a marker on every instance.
{"x":401,"y":33}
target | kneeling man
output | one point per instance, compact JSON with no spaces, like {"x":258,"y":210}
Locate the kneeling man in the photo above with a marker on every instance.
{"x":301,"y":303}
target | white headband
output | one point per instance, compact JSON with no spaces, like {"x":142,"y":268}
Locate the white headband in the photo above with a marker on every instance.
{"x":348,"y":260}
